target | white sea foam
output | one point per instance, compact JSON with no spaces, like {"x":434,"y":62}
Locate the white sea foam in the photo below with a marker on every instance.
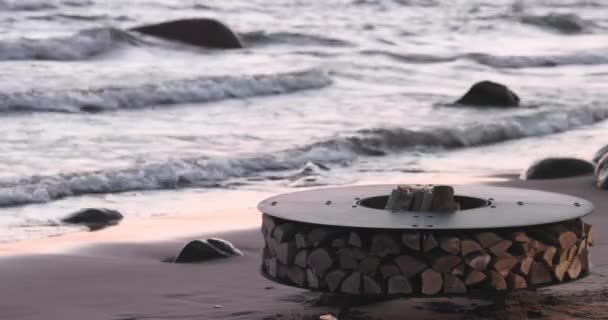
{"x":187,"y":173}
{"x":202,"y":89}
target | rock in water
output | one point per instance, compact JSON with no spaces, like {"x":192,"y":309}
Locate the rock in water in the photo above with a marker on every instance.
{"x":600,"y":153}
{"x":202,"y":32}
{"x":552,"y":168}
{"x":601,"y":173}
{"x":488,"y":93}
{"x":94,"y":218}
{"x":206,"y":249}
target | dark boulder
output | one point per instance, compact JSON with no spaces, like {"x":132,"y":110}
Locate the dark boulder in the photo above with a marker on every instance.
{"x":552,"y":168}
{"x":206,"y":249}
{"x":488,"y":93}
{"x":94,"y":218}
{"x":601,"y":172}
{"x":600,"y":153}
{"x":202,"y":32}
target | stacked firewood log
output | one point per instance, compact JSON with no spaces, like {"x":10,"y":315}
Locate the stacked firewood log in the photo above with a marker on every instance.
{"x":439,"y":262}
{"x":410,"y":198}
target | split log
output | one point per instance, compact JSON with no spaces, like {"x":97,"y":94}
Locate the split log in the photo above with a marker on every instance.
{"x":319,"y":260}
{"x":539,"y":273}
{"x":576,"y":226}
{"x":469,"y":246}
{"x":524,"y":266}
{"x":589,"y":233}
{"x":347,"y":259}
{"x":268,"y":225}
{"x":301,"y":259}
{"x":399,"y":284}
{"x":286,"y":252}
{"x":339,"y":242}
{"x":410,"y":266}
{"x":585,"y":261}
{"x":561,"y":269}
{"x":575,"y":268}
{"x":547,"y":255}
{"x":297,"y":275}
{"x":427,"y":200}
{"x":516,"y":281}
{"x":272,"y":246}
{"x":568,"y":254}
{"x":271,"y":267}
{"x":284,"y":232}
{"x":400,"y":199}
{"x":419,"y":195}
{"x":281,"y":271}
{"x":443,"y":199}
{"x":334,"y":279}
{"x":504,"y":265}
{"x":556,"y":235}
{"x":302,"y":241}
{"x":429,"y":243}
{"x":352,"y":284}
{"x":459,"y":269}
{"x":453,"y":284}
{"x":519,"y":236}
{"x":384,"y":245}
{"x":487,"y":239}
{"x":478,"y":261}
{"x":474,"y":277}
{"x":445,"y":262}
{"x":369,"y":265}
{"x":497,"y":281}
{"x":500,"y":248}
{"x":450,"y":245}
{"x":388,"y":270}
{"x":371,"y":286}
{"x":411,"y":240}
{"x":432,"y":282}
{"x":320,"y":236}
{"x":354,"y":240}
{"x":311,"y":279}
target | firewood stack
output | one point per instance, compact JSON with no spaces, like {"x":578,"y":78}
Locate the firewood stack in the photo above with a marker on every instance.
{"x":409,"y":198}
{"x":438,"y":262}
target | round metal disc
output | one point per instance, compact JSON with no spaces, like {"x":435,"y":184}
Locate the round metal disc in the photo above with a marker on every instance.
{"x":508,"y":207}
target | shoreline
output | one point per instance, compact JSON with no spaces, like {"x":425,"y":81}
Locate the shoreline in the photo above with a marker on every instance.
{"x":115,"y":274}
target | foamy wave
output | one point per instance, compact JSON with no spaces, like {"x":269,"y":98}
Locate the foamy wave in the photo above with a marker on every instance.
{"x":380,"y":141}
{"x":26,"y":5}
{"x":203,"y":89}
{"x":300,"y":162}
{"x":265,"y":38}
{"x":581,"y":58}
{"x":82,"y":45}
{"x":560,"y":22}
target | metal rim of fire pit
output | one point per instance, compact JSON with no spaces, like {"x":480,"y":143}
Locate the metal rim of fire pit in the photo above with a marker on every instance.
{"x":492,"y":207}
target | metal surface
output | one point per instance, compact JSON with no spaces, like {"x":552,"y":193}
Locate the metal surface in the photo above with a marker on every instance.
{"x":508,"y":207}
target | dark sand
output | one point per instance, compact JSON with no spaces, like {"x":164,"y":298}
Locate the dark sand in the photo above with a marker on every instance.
{"x":129,"y":281}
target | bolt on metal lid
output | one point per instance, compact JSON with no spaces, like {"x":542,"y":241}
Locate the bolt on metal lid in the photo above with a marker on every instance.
{"x":486,"y":207}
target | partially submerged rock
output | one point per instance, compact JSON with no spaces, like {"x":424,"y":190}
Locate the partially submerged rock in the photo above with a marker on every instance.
{"x":488,"y":93}
{"x":206,"y":249}
{"x":600,"y":153}
{"x":94,"y":218}
{"x":601,"y":173}
{"x":553,"y":168}
{"x":201,"y":32}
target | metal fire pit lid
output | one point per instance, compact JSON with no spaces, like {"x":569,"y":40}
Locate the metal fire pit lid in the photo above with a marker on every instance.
{"x":505,"y":207}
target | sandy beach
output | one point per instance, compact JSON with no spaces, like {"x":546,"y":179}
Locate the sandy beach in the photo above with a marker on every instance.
{"x":100,"y":275}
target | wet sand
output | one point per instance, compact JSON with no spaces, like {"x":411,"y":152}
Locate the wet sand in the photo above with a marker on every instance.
{"x":98,"y":275}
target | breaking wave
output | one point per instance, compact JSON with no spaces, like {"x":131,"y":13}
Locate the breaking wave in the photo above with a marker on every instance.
{"x":205,"y":172}
{"x":82,"y":45}
{"x":204,"y":89}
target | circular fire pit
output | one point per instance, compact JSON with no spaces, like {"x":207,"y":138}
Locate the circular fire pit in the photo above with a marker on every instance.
{"x":342,"y":240}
